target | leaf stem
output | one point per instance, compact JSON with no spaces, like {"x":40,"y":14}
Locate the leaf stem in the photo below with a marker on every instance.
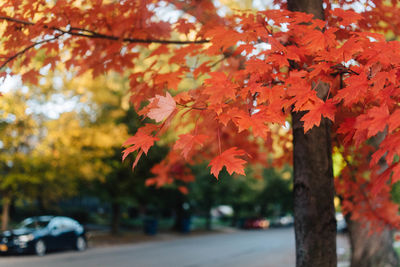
{"x":219,"y":141}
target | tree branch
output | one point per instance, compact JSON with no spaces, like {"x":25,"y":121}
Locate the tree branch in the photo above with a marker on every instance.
{"x":17,"y":20}
{"x":74,"y":31}
{"x":8,"y":60}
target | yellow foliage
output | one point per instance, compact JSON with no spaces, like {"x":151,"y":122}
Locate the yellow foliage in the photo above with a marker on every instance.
{"x":338,"y":162}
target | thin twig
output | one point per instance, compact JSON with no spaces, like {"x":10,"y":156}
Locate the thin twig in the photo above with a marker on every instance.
{"x":191,"y":107}
{"x":219,"y":141}
{"x":17,"y":20}
{"x":213,"y":65}
{"x":28,"y":48}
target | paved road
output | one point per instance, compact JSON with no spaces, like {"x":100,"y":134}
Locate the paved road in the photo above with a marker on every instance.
{"x":268,"y":248}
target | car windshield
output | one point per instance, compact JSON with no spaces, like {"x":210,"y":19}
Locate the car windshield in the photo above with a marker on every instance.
{"x":34,"y":223}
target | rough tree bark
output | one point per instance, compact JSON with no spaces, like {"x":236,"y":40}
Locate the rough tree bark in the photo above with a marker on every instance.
{"x":115,"y":217}
{"x":374,"y":250}
{"x":179,"y":213}
{"x":314,"y":212}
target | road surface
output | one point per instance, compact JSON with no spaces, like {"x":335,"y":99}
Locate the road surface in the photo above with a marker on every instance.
{"x":267,"y":248}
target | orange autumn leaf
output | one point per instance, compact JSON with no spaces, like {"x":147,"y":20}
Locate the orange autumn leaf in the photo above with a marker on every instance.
{"x":140,"y":141}
{"x":229,"y":159}
{"x":219,"y":88}
{"x":187,"y":141}
{"x":183,"y":190}
{"x":322,"y":109}
{"x":347,"y":17}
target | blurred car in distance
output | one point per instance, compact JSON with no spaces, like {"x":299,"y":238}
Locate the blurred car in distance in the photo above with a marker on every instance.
{"x":41,"y":234}
{"x":287,"y":220}
{"x":256,"y":223}
{"x":283,"y":221}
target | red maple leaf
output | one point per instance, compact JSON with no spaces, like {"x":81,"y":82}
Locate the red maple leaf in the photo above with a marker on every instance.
{"x":354,"y":91}
{"x":229,"y":159}
{"x":313,"y":117}
{"x":187,"y":141}
{"x":184,"y":26}
{"x":219,"y":88}
{"x":141,"y":142}
{"x":347,"y":17}
{"x":374,"y":121}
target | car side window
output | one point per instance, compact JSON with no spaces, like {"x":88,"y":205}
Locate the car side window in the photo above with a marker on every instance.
{"x":70,"y":223}
{"x":55,"y":224}
{"x":64,"y":224}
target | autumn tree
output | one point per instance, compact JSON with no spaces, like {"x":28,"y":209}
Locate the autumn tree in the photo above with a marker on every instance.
{"x":84,"y":146}
{"x":227,"y":82}
{"x":17,"y":131}
{"x":48,"y":150}
{"x":89,"y":139}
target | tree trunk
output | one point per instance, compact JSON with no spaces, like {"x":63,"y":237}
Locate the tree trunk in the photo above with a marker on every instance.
{"x":12,"y":210}
{"x":5,"y":213}
{"x":314,"y":212}
{"x":208,"y":219}
{"x":236,"y":215}
{"x":179,"y":214}
{"x":40,"y":204}
{"x":308,"y":6}
{"x":374,"y":250}
{"x":115,"y":217}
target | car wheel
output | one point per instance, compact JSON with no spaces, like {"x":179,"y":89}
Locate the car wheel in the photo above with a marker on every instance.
{"x":80,"y":244}
{"x":40,"y":248}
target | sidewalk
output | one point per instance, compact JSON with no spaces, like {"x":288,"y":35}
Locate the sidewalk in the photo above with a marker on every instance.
{"x":103,"y":238}
{"x":343,"y":250}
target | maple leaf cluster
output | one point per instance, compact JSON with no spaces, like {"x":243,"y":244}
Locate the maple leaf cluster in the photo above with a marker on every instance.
{"x":250,"y":71}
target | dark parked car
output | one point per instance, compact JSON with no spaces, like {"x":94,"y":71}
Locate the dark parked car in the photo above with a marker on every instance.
{"x":44,"y":233}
